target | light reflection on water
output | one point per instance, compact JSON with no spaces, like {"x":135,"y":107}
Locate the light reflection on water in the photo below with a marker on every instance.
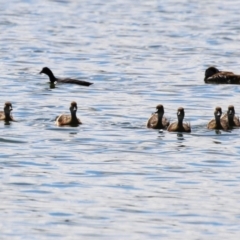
{"x":112,"y":177}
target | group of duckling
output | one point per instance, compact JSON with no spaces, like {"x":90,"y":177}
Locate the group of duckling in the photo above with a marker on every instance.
{"x":156,"y":121}
{"x":226,"y":122}
{"x":63,"y":119}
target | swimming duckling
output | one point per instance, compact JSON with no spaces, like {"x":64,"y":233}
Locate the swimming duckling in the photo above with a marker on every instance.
{"x":6,"y":114}
{"x":69,"y":119}
{"x":213,"y":75}
{"x":218,"y":123}
{"x":230,"y":117}
{"x":53,"y":79}
{"x":179,"y":126}
{"x":157,"y":121}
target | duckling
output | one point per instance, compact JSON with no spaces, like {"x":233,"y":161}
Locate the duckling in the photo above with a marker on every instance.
{"x":53,"y":79}
{"x":213,"y":75}
{"x":179,"y":126}
{"x":69,"y":119}
{"x":230,"y":117}
{"x":6,"y":114}
{"x":218,"y":123}
{"x":157,"y":121}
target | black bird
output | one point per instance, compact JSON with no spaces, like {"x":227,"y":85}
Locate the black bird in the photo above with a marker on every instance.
{"x":53,"y":79}
{"x":213,"y":75}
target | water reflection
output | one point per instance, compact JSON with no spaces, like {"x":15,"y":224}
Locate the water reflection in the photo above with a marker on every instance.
{"x":52,"y":85}
{"x":217,"y":131}
{"x":180,"y":136}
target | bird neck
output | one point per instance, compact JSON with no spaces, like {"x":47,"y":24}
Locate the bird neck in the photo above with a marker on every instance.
{"x":230,"y":120}
{"x":51,"y":76}
{"x":8,"y":116}
{"x":74,"y":116}
{"x":160,"y":116}
{"x":218,"y":121}
{"x":180,"y":121}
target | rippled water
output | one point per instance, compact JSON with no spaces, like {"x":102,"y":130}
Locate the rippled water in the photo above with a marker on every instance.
{"x":112,"y":178}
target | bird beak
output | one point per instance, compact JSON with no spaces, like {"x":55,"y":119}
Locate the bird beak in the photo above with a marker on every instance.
{"x":41,"y":72}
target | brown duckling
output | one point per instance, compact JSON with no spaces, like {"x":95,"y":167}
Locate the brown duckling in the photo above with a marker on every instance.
{"x":69,"y":119}
{"x":179,"y":126}
{"x":53,"y":79}
{"x":230,"y":117}
{"x":213,"y":75}
{"x":6,"y":114}
{"x":157,"y":121}
{"x":218,"y":123}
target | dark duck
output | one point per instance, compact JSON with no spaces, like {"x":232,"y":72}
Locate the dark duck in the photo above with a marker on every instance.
{"x":179,"y":126}
{"x":6,"y":113}
{"x":213,"y":75}
{"x":72,"y":119}
{"x":53,"y":79}
{"x":157,"y":121}
{"x":233,"y":121}
{"x":218,"y":122}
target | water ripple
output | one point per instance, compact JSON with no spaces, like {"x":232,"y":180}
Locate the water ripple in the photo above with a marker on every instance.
{"x":111,"y":177}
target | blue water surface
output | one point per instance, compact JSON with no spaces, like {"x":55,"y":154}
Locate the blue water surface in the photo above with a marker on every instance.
{"x":112,"y":178}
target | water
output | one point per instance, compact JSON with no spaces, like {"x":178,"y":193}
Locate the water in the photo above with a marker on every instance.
{"x":112,"y":178}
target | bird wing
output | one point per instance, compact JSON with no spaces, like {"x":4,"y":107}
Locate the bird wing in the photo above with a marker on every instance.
{"x":165,"y":122}
{"x":2,"y":115}
{"x":225,"y":117}
{"x":224,"y":77}
{"x":236,"y":121}
{"x":211,"y":124}
{"x":74,"y":81}
{"x":63,"y":119}
{"x":173,"y":127}
{"x":152,"y":121}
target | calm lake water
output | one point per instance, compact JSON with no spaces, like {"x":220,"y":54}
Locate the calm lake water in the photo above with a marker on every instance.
{"x":112,"y":178}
